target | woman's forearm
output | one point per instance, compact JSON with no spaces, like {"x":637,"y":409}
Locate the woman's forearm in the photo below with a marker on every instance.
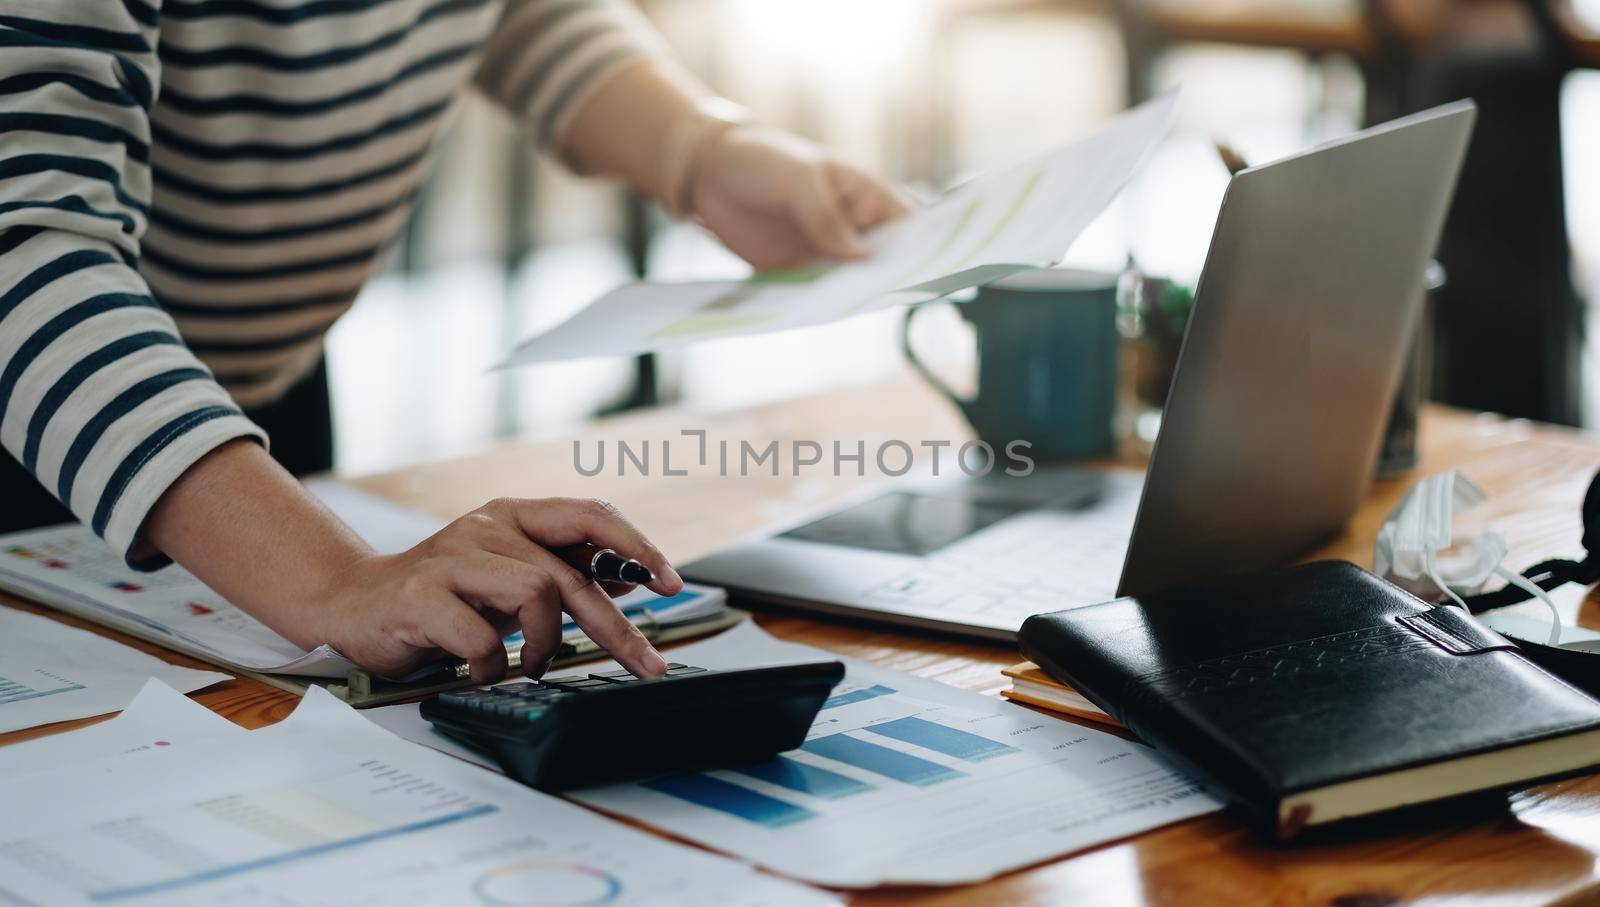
{"x":631,"y":126}
{"x":250,"y":531}
{"x":253,"y":533}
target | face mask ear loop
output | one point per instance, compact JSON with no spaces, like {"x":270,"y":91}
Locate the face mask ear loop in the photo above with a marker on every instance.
{"x":1521,"y":582}
{"x":1433,"y":574}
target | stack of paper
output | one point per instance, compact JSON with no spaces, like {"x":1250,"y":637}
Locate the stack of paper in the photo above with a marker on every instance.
{"x":1031,"y":685}
{"x":322,"y":808}
{"x":68,"y":568}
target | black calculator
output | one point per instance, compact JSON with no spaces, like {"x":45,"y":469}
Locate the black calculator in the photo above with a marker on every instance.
{"x":582,"y":730}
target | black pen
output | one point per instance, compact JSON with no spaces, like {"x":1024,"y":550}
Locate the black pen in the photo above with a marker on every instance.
{"x":607,"y":566}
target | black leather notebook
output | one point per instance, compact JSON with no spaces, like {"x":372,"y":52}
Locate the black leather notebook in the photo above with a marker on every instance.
{"x":1320,"y":693}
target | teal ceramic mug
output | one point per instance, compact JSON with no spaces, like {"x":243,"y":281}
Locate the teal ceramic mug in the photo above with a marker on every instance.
{"x":1048,"y":350}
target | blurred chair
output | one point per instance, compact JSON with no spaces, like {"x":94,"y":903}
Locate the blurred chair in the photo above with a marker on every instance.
{"x":1578,"y":38}
{"x":1508,"y":326}
{"x":1151,"y":27}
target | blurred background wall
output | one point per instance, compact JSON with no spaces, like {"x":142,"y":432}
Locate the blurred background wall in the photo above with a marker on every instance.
{"x":927,"y":91}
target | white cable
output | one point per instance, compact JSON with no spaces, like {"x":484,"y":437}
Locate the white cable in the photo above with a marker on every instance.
{"x":1528,"y":586}
{"x":1429,"y":564}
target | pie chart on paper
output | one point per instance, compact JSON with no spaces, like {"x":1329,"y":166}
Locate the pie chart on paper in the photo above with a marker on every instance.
{"x":546,"y":883}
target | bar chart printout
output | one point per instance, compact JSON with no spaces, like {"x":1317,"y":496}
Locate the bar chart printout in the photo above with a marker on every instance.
{"x":715,"y":793}
{"x":880,"y":760}
{"x":51,"y":672}
{"x":860,"y":694}
{"x":888,"y":764}
{"x":326,"y":808}
{"x":866,"y":800}
{"x":786,"y":773}
{"x":35,"y":685}
{"x":937,"y":737}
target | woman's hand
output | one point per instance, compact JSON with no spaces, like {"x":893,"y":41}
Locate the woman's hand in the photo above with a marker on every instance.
{"x":780,"y":201}
{"x":509,"y":564}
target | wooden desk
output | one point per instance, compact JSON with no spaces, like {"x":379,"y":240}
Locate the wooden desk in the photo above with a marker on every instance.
{"x":1543,"y":849}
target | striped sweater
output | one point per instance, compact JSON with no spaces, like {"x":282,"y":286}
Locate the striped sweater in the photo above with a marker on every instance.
{"x":192,"y":191}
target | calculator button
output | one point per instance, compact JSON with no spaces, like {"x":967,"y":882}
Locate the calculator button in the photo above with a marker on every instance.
{"x":576,"y":683}
{"x":520,"y":689}
{"x":681,"y":670}
{"x":614,"y":677}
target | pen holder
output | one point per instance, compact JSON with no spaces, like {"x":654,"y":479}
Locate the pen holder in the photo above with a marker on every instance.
{"x":1047,"y":362}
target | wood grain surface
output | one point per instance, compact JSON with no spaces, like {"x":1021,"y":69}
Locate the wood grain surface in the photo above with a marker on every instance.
{"x":1537,"y":846}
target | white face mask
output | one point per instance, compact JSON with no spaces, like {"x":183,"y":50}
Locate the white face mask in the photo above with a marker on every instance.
{"x":1417,"y":551}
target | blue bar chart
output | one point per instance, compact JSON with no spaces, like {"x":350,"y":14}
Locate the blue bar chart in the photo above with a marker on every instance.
{"x":808,"y":789}
{"x":16,"y":691}
{"x":881,"y":760}
{"x":805,"y":779}
{"x":951,"y":741}
{"x":733,"y":799}
{"x":855,"y":696}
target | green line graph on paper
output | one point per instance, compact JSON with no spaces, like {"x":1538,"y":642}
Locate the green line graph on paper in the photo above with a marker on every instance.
{"x":924,"y":269}
{"x":726,"y":313}
{"x":999,"y":227}
{"x":723,"y":313}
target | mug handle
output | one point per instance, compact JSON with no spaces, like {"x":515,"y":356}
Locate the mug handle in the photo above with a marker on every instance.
{"x":927,"y":374}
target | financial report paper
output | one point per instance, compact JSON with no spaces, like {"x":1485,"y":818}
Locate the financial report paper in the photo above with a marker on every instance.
{"x":325,"y":808}
{"x":158,"y":716}
{"x":1001,"y":223}
{"x":901,"y":780}
{"x":51,"y":672}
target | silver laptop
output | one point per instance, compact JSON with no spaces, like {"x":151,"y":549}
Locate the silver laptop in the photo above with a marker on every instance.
{"x":1302,"y":319}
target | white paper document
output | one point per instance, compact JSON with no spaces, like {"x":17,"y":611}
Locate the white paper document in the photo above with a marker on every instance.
{"x":325,"y":808}
{"x":67,"y":567}
{"x":1013,"y":220}
{"x":51,"y":672}
{"x":158,"y":716}
{"x":901,"y":781}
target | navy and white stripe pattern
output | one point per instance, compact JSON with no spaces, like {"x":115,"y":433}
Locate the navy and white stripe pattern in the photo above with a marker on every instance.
{"x":192,"y":191}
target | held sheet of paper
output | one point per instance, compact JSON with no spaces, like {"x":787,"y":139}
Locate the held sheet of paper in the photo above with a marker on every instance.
{"x":326,"y":808}
{"x":1001,"y":223}
{"x":901,"y":780}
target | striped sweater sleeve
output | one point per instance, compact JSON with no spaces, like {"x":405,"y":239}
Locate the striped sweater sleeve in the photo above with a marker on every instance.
{"x":547,"y":56}
{"x":99,"y":398}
